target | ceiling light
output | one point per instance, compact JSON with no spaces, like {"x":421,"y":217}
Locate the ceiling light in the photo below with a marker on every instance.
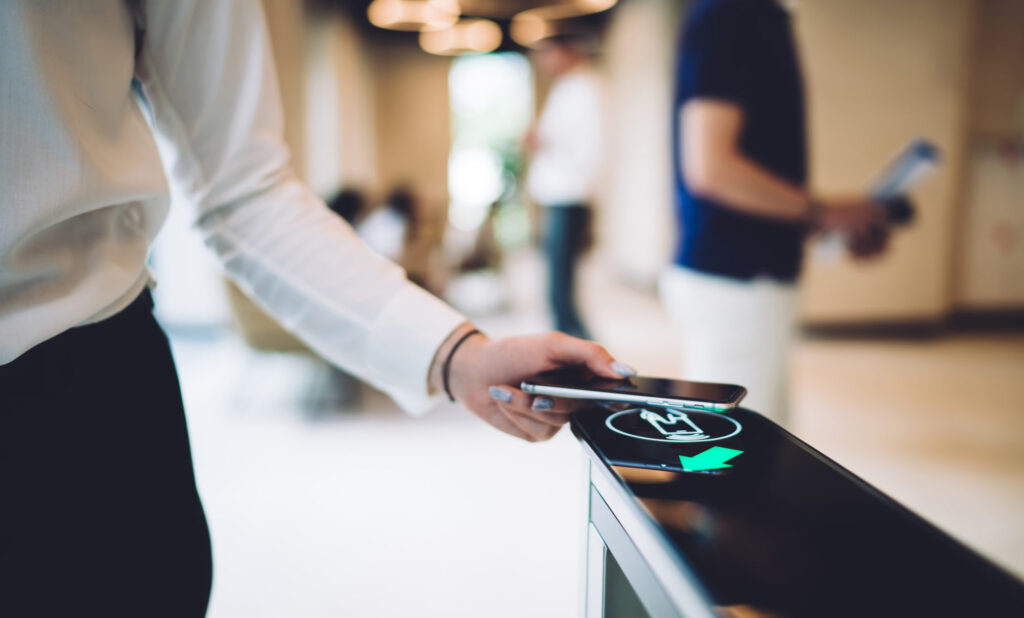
{"x":533,"y":25}
{"x":592,"y":6}
{"x":527,"y":28}
{"x":413,"y":14}
{"x":465,"y":36}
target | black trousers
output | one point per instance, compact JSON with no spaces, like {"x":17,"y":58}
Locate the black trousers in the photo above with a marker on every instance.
{"x":99,"y":514}
{"x":565,"y":232}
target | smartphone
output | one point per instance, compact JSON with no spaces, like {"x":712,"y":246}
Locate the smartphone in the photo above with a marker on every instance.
{"x":581,"y":384}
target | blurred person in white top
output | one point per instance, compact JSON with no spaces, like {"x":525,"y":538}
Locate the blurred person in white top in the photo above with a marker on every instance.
{"x":566,"y":145}
{"x":102,"y":104}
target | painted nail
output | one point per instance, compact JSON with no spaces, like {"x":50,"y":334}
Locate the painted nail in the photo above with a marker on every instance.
{"x":623,"y":369}
{"x":543,"y":403}
{"x":501,"y":394}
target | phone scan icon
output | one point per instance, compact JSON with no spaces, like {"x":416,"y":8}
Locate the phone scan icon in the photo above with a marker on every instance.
{"x":676,"y":425}
{"x":672,"y":425}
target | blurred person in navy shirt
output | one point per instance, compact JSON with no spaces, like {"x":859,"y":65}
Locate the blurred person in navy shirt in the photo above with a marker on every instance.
{"x":744,"y":210}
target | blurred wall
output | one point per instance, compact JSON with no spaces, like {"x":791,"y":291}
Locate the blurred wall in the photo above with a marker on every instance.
{"x":339,"y":107}
{"x":997,"y":84}
{"x":636,"y":225}
{"x":413,"y":128}
{"x":287,"y":28}
{"x":370,"y":114}
{"x":879,"y":73}
{"x":990,"y":268}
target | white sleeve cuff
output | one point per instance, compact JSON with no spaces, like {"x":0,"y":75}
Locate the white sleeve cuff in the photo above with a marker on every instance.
{"x":403,"y":341}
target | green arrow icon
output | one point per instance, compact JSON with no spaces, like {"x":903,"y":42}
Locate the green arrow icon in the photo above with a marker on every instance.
{"x":712,"y":459}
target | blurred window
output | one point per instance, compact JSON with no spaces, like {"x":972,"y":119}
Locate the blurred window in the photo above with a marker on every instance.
{"x":491,"y":105}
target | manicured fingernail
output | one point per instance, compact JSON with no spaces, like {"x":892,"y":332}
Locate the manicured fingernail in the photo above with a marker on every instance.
{"x":623,"y":369}
{"x":501,"y":394}
{"x":543,"y":403}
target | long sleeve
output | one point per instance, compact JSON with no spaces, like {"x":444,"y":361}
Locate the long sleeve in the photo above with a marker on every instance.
{"x":207,"y":75}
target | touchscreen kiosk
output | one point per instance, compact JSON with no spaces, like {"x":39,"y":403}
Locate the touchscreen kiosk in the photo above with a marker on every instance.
{"x":764,"y":522}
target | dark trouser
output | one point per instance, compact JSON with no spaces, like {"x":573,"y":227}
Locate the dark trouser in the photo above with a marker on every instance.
{"x":565,"y":232}
{"x":99,"y":510}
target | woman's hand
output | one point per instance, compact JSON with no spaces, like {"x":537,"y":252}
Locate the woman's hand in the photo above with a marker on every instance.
{"x":485,"y":377}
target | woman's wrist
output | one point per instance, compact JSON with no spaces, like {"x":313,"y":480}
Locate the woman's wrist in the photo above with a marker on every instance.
{"x":456,"y":344}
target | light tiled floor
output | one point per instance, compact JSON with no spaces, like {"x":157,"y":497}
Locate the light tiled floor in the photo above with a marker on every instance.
{"x":322,"y":508}
{"x":939,"y":425}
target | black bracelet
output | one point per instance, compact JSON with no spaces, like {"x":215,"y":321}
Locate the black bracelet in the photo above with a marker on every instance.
{"x":447,"y":368}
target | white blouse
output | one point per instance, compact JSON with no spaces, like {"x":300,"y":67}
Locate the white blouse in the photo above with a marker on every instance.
{"x":84,"y":187}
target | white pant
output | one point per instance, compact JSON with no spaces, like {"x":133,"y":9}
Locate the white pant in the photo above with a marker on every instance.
{"x":738,"y":332}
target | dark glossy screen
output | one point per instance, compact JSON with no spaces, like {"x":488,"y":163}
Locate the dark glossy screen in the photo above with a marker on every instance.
{"x":780,"y":530}
{"x":640,"y":385}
